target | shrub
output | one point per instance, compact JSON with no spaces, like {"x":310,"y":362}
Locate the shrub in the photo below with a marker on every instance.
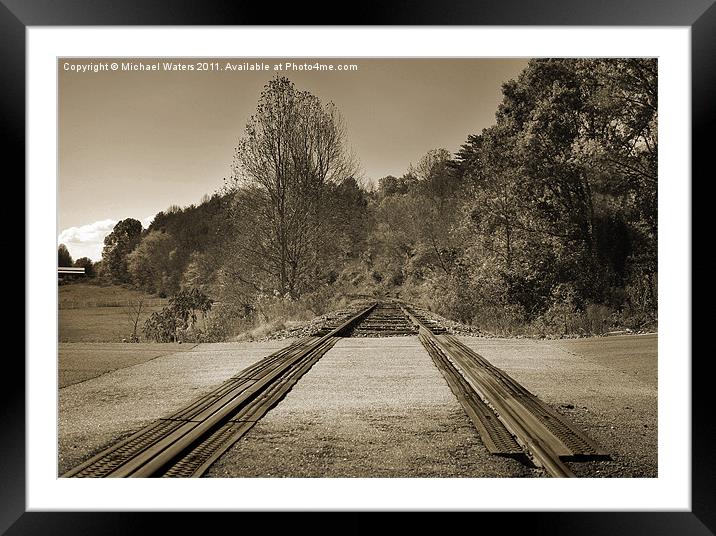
{"x":501,"y":320}
{"x":597,"y":319}
{"x":561,"y":316}
{"x":177,"y":321}
{"x":224,"y":322}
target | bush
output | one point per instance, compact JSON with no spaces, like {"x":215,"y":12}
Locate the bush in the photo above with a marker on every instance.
{"x":161,"y":326}
{"x":270,"y":314}
{"x":597,"y":319}
{"x":561,"y":316}
{"x":177,"y":321}
{"x":501,"y":320}
{"x":224,"y":322}
{"x":636,"y":320}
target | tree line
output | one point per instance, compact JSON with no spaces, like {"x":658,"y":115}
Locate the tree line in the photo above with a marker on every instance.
{"x":545,"y":222}
{"x":64,"y":260}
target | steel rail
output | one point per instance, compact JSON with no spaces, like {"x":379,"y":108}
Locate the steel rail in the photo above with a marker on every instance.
{"x":513,"y":405}
{"x":175,"y":436}
{"x":155,"y":463}
{"x":197,"y":460}
{"x":570,"y":442}
{"x":496,"y":438}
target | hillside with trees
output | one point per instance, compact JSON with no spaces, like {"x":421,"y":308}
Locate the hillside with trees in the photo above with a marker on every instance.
{"x":544,"y":223}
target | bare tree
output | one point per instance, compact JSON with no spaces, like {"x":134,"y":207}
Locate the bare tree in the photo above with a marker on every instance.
{"x":292,"y":148}
{"x":133,"y":310}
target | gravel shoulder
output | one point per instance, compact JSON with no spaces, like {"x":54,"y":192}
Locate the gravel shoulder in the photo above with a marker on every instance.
{"x":371,"y":407}
{"x":613,"y":406}
{"x":97,"y":412}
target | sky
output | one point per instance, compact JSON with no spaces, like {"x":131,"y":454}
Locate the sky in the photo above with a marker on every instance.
{"x":133,"y":142}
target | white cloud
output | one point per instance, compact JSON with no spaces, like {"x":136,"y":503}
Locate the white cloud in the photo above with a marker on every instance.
{"x":86,"y":240}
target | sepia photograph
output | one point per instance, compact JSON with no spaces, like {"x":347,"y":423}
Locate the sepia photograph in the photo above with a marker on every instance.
{"x":353,"y":267}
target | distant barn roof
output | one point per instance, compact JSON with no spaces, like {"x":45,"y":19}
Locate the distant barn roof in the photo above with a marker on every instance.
{"x":70,"y":270}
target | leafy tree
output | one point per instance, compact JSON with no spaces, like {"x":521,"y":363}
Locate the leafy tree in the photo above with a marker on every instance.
{"x":346,"y":217}
{"x":199,"y":272}
{"x":543,"y":107}
{"x":621,"y":147}
{"x":151,"y":264}
{"x":435,"y":206}
{"x":87,"y":264}
{"x":64,"y":259}
{"x":434,"y":173}
{"x":390,"y":185}
{"x":468,"y":158}
{"x":117,"y":246}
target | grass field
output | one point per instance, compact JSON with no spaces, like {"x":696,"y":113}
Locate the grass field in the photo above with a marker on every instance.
{"x":94,"y":313}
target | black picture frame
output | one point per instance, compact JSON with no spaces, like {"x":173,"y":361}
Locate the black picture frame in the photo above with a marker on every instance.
{"x":699,"y":15}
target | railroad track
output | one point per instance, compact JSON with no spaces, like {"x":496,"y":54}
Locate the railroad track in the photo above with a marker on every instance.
{"x":385,"y":320}
{"x":510,"y":420}
{"x":187,"y":442}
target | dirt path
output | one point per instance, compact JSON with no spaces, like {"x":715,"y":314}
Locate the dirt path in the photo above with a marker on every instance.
{"x":369,"y":408}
